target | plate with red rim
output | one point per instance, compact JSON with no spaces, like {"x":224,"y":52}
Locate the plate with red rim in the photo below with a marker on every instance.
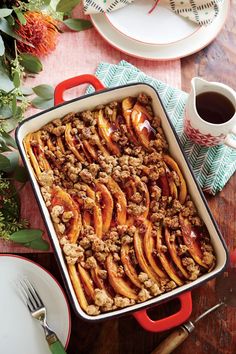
{"x":20,"y":333}
{"x":139,"y":22}
{"x":199,"y":39}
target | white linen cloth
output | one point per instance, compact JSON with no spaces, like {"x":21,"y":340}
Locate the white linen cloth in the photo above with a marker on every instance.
{"x":202,"y":12}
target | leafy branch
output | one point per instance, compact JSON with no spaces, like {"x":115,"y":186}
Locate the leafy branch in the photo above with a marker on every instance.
{"x":12,"y":227}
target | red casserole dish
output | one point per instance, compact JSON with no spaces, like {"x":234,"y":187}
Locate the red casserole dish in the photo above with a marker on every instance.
{"x":104,"y":96}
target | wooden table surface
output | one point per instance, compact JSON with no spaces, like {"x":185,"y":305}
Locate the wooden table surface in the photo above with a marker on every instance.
{"x":216,"y":334}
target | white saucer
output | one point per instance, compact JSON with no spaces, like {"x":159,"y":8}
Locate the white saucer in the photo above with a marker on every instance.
{"x":189,"y":45}
{"x":161,"y":26}
{"x":19,"y":332}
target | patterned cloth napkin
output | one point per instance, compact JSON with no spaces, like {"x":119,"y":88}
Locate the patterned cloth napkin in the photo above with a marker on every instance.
{"x":212,"y":166}
{"x":202,"y":12}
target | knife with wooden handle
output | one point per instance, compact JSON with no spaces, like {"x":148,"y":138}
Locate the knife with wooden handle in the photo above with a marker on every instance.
{"x":226,"y":293}
{"x":180,"y":334}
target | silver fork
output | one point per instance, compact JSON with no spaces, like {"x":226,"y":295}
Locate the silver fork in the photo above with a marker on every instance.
{"x":39,"y":312}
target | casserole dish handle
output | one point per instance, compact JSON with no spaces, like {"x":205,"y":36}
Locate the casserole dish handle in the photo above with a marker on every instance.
{"x":168,"y":322}
{"x":73,"y":82}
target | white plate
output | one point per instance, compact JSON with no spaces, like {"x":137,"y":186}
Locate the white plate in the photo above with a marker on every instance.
{"x":189,"y":45}
{"x":19,"y":332}
{"x":161,"y":26}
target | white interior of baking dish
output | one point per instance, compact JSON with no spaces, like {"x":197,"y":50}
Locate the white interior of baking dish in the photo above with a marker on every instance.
{"x":89,"y":103}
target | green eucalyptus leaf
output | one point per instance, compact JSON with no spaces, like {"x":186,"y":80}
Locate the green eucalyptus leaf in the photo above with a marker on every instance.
{"x":2,"y":46}
{"x":16,"y":79}
{"x":47,"y":2}
{"x":27,"y":91}
{"x":77,"y":24}
{"x":31,"y":63}
{"x":21,"y":174}
{"x":8,"y":124}
{"x":3,"y":145}
{"x":26,"y":235}
{"x":20,"y":16}
{"x":8,"y":139}
{"x":14,"y":161}
{"x":6,"y":28}
{"x":5,"y":12}
{"x":14,"y":105}
{"x":39,"y":244}
{"x":41,"y":103}
{"x":4,"y":163}
{"x":11,"y":20}
{"x":5,"y":112}
{"x":44,"y":91}
{"x":6,"y":83}
{"x":66,"y":5}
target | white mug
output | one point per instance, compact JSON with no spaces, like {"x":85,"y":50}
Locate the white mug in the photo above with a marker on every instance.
{"x":210,"y":114}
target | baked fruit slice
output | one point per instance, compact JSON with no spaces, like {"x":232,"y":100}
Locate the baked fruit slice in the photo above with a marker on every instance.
{"x":127,"y":106}
{"x":119,"y":284}
{"x":69,"y":211}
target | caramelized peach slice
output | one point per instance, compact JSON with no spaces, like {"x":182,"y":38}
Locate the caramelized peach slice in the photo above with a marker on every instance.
{"x":173,"y":189}
{"x":97,"y":213}
{"x":77,"y":286}
{"x":170,"y":270}
{"x":118,"y":283}
{"x":183,"y":188}
{"x":60,"y":144}
{"x":72,"y":143}
{"x":90,"y":150}
{"x":107,"y":205}
{"x":50,"y":144}
{"x":86,"y":218}
{"x":149,"y":246}
{"x":172,"y":186}
{"x":140,"y":120}
{"x":121,"y":204}
{"x":127,"y":105}
{"x":73,"y":226}
{"x":191,"y":241}
{"x":147,"y":199}
{"x":130,"y":188}
{"x":87,"y":281}
{"x":138,"y":246}
{"x":105,"y":130}
{"x":98,"y":281}
{"x":164,"y":185}
{"x":36,"y":153}
{"x":130,"y":271}
{"x":32,"y":157}
{"x":96,"y":141}
{"x":96,"y":278}
{"x":174,"y":255}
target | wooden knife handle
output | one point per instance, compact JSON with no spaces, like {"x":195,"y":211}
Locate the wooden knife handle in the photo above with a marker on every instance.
{"x":172,"y":341}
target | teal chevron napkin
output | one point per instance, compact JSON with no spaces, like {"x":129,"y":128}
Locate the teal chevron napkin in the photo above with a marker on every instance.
{"x":212,"y":166}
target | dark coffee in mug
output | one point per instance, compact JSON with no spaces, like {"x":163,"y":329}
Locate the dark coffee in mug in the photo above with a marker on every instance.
{"x":214,"y":107}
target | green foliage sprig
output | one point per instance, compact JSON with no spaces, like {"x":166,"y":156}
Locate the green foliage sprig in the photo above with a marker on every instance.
{"x":12,"y":227}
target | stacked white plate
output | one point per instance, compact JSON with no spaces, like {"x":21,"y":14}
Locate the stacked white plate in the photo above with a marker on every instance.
{"x":159,"y":35}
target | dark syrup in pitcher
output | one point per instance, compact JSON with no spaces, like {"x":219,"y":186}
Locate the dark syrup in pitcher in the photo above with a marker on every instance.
{"x":214,"y":107}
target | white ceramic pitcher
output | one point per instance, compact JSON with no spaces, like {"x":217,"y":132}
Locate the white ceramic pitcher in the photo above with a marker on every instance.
{"x":202,"y":131}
